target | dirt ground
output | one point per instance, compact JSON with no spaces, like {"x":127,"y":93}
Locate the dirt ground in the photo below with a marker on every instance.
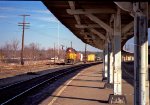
{"x":13,"y":69}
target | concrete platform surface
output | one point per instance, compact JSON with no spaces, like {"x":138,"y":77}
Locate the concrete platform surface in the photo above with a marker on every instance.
{"x":86,"y":88}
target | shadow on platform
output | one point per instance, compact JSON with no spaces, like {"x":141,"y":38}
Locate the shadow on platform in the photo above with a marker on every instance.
{"x":87,"y":80}
{"x":85,"y":86}
{"x":89,"y":76}
{"x":86,"y":99}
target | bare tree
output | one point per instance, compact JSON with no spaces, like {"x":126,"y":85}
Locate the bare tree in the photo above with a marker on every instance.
{"x":27,"y":52}
{"x":31,"y":52}
{"x":50,"y":53}
{"x":15,"y":46}
{"x":1,"y":53}
{"x":34,"y":50}
{"x":7,"y":49}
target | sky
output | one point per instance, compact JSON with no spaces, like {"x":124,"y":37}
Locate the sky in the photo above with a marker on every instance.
{"x":44,"y":29}
{"x":130,"y":43}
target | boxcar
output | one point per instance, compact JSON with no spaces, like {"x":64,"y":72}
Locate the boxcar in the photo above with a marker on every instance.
{"x":91,"y":58}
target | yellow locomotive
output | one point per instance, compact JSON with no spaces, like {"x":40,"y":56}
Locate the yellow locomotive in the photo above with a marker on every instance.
{"x":72,"y":56}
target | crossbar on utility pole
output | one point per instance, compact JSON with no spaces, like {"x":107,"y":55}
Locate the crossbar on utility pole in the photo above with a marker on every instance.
{"x":23,"y":24}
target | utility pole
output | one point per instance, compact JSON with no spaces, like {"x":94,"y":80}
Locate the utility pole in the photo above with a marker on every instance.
{"x":85,"y":53}
{"x":62,"y":46}
{"x":58,"y":39}
{"x":23,"y":25}
{"x":54,"y":53}
{"x":71,"y":44}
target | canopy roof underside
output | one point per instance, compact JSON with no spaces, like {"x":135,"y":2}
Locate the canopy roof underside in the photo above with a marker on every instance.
{"x":82,"y":18}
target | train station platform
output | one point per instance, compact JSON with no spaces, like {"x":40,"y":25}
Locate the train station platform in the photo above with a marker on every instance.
{"x":87,"y":88}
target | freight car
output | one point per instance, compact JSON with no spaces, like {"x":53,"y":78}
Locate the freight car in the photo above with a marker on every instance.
{"x":80,"y":57}
{"x":91,"y":58}
{"x":72,"y":56}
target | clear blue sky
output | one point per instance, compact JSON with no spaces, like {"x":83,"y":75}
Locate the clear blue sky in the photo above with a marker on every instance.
{"x":43,"y":25}
{"x":130,"y":43}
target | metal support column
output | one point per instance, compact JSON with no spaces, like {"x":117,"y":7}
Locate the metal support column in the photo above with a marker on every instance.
{"x":117,"y":97}
{"x":109,"y":83}
{"x":105,"y":75}
{"x":141,"y":79}
{"x":103,"y":62}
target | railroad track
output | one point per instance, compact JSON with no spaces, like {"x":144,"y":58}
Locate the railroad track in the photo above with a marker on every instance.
{"x":15,"y":94}
{"x":127,"y":71}
{"x":128,"y":74}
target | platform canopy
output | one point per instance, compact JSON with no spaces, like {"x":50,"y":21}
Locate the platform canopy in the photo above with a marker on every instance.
{"x":92,"y":21}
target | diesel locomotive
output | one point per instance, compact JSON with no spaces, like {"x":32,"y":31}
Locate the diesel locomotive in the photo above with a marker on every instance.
{"x":72,"y":56}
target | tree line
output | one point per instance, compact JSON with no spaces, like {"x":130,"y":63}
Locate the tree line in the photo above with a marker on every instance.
{"x":32,"y":51}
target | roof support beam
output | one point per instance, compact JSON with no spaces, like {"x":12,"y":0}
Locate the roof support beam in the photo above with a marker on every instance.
{"x":91,"y":28}
{"x":126,"y":28}
{"x":86,"y":34}
{"x":90,"y":11}
{"x":107,"y":38}
{"x":97,"y":33}
{"x":77,"y":18}
{"x":99,"y":22}
{"x":112,"y":18}
{"x":93,"y":37}
{"x":72,"y":6}
{"x":99,"y":43}
{"x":88,"y":26}
{"x":126,"y":6}
{"x":87,"y":12}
